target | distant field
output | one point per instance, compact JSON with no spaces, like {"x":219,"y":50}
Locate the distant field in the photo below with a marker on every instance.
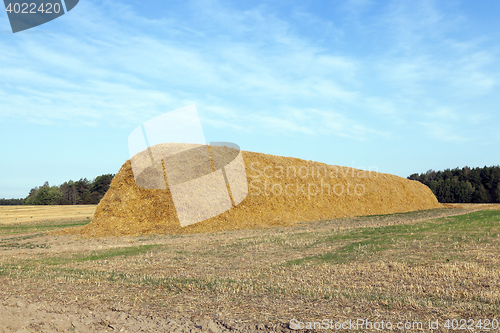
{"x":484,"y":206}
{"x":427,"y":265}
{"x":22,"y":214}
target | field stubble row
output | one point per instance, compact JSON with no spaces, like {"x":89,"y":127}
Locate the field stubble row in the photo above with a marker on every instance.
{"x":432,"y":264}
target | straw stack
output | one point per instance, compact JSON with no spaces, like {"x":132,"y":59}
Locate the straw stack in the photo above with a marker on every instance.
{"x":281,"y":192}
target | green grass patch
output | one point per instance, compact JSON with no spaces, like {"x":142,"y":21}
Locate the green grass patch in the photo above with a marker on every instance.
{"x":14,"y":243}
{"x":444,"y":234}
{"x":29,"y":245}
{"x":47,"y":267}
{"x":102,"y":255}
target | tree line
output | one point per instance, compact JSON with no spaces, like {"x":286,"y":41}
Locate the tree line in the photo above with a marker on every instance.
{"x":81,"y":192}
{"x":466,"y":185}
{"x":11,"y":202}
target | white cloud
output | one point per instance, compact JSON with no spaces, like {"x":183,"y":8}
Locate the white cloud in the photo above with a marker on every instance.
{"x":318,"y":122}
{"x":105,"y":73}
{"x":245,"y":68}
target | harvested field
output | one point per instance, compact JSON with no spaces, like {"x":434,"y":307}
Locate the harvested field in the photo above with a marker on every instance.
{"x":434,"y":264}
{"x":282,"y":191}
{"x":485,"y":206}
{"x":21,"y":214}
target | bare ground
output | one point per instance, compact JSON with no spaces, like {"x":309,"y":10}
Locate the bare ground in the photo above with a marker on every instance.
{"x":400,"y":267}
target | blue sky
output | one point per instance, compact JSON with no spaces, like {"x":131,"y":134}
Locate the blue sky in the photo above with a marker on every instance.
{"x":403,"y":86}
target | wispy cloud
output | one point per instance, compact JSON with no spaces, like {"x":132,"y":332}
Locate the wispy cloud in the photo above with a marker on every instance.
{"x":114,"y":73}
{"x":368,"y":75}
{"x":317,"y":122}
{"x":248,"y":69}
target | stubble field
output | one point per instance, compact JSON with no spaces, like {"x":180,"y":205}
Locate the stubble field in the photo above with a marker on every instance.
{"x":401,"y":268}
{"x":23,"y":214}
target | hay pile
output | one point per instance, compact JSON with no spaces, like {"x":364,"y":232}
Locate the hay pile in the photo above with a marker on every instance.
{"x":281,"y":191}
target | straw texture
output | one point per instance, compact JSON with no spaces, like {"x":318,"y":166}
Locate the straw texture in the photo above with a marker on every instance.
{"x":281,"y":191}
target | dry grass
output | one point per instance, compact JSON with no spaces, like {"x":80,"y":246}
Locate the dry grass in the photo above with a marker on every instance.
{"x":484,"y":206}
{"x":411,"y":266}
{"x":23,"y":214}
{"x":283,"y":191}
